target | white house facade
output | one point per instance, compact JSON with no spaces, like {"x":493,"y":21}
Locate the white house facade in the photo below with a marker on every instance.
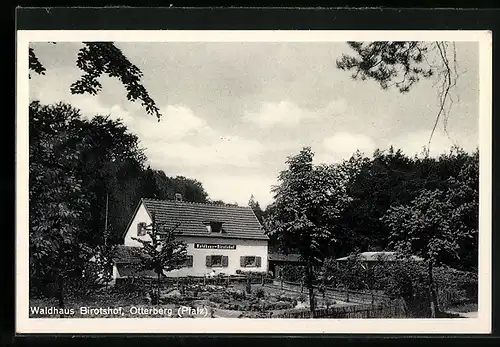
{"x":219,"y":239}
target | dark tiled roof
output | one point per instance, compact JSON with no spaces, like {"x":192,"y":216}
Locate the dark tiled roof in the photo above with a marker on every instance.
{"x":127,"y":255}
{"x":238,"y":222}
{"x":291,"y":258}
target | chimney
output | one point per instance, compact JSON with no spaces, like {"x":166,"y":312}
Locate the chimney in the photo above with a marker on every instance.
{"x":178,"y":197}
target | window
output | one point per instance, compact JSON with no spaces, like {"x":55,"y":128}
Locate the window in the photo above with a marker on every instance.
{"x":214,"y":226}
{"x":250,"y":261}
{"x":217,"y":261}
{"x":189,"y":261}
{"x":141,"y":229}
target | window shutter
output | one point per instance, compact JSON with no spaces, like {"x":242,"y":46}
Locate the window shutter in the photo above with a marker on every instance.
{"x":257,"y":261}
{"x":139,"y":229}
{"x":242,"y":261}
{"x":225,"y":261}
{"x":208,"y":261}
{"x":189,"y":261}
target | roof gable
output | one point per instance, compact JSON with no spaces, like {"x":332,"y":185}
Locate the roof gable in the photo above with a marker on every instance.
{"x":191,"y":218}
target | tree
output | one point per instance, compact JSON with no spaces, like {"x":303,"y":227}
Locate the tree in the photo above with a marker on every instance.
{"x":464,"y":196}
{"x":56,"y":201}
{"x":428,"y":227}
{"x":74,"y":165}
{"x":221,"y":203}
{"x":401,"y":64}
{"x":161,"y":252}
{"x":104,"y":58}
{"x":254,"y":205}
{"x":308,"y":201}
{"x":110,"y":157}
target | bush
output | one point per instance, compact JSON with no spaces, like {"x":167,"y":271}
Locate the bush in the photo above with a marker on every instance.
{"x":239,"y":295}
{"x":216,"y":298}
{"x":283,"y":305}
{"x":259,"y":292}
{"x":292,"y":273}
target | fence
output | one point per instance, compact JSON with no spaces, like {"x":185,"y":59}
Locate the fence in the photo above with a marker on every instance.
{"x":334,"y":293}
{"x":216,"y":280}
{"x":394,"y":309}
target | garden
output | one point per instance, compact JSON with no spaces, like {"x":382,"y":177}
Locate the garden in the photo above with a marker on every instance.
{"x":237,"y":300}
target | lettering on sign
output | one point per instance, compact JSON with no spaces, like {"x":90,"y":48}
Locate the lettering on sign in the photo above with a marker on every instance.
{"x":213,"y":246}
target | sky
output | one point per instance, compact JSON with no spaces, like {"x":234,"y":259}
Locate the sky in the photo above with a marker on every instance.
{"x":234,"y":111}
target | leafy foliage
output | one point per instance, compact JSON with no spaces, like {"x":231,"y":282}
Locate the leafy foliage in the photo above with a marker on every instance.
{"x":156,"y":184}
{"x":56,"y":202}
{"x":161,"y":251}
{"x":34,"y":63}
{"x":432,"y":226}
{"x":308,"y":201}
{"x":384,"y":61}
{"x":98,"y":58}
{"x":391,"y":178}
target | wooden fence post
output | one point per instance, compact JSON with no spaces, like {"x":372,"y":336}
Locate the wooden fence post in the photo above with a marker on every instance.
{"x":302,"y":285}
{"x":373,"y":298}
{"x":347,"y":295}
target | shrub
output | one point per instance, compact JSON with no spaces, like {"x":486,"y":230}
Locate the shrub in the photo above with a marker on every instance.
{"x":239,"y":295}
{"x":259,"y":292}
{"x":292,"y":273}
{"x":216,"y":298}
{"x":283,"y":305}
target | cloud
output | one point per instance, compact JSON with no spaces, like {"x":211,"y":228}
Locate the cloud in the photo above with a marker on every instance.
{"x":177,"y":122}
{"x":336,"y":107}
{"x":283,"y":113}
{"x":343,"y":144}
{"x":239,"y":188}
{"x":218,"y":152}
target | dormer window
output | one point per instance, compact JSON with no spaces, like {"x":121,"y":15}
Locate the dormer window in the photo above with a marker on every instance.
{"x":214,"y":226}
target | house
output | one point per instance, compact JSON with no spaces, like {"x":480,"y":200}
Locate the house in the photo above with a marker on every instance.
{"x":219,"y":239}
{"x":369,"y":259}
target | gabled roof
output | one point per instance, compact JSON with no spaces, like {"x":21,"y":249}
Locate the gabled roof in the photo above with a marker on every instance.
{"x":191,"y":217}
{"x":376,"y":256}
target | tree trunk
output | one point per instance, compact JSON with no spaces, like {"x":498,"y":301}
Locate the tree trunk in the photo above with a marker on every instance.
{"x":432,"y":292}
{"x":309,"y":278}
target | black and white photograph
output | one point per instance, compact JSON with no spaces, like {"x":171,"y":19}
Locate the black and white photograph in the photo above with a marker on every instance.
{"x":300,"y":181}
